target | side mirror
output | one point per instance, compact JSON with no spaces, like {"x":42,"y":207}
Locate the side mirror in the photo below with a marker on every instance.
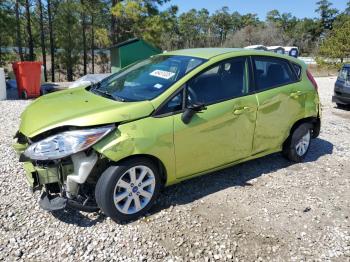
{"x":190,"y":111}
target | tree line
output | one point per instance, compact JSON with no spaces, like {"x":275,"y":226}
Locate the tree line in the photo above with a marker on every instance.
{"x":69,"y":36}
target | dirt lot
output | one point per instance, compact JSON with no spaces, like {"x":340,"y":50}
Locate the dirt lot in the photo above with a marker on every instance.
{"x":266,"y":210}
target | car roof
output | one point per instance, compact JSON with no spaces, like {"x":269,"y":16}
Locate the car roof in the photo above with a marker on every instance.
{"x":205,"y":53}
{"x":208,"y":53}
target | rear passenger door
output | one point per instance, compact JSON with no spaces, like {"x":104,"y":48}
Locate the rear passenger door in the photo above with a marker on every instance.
{"x":280,"y":101}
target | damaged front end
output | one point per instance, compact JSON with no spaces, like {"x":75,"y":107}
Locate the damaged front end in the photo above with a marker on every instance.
{"x":64,"y":166}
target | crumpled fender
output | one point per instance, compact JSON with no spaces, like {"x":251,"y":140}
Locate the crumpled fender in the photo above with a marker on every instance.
{"x":141,"y":138}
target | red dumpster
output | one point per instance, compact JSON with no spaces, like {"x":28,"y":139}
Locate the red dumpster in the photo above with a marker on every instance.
{"x":28,"y":77}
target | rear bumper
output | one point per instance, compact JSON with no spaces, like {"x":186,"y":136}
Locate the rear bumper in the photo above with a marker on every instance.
{"x":341,"y":100}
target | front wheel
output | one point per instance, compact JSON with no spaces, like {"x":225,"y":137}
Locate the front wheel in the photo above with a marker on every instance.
{"x":297,"y":145}
{"x":127,"y":191}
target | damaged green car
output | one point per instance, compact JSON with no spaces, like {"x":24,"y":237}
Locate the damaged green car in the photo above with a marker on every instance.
{"x":113,"y":145}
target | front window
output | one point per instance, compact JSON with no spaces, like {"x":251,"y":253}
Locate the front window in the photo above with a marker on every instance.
{"x":147,"y":79}
{"x":224,"y":81}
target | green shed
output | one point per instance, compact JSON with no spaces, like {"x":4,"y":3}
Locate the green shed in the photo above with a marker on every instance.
{"x":130,"y":51}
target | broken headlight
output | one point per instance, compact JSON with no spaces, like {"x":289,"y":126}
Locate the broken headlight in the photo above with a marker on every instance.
{"x":66,"y":143}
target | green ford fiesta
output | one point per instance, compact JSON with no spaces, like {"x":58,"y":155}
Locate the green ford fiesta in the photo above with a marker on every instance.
{"x":112,"y":146}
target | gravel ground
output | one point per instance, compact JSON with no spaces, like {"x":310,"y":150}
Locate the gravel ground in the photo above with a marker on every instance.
{"x":266,"y":209}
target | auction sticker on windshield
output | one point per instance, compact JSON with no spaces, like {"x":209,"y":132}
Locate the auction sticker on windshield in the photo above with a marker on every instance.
{"x":162,"y":74}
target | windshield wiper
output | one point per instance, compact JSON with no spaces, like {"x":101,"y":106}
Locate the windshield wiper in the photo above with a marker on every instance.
{"x":107,"y":94}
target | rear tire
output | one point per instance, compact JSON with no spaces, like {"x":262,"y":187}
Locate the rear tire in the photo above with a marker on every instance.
{"x":298,"y":143}
{"x":127,"y":191}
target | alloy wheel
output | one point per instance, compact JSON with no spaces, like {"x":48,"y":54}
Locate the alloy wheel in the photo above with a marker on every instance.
{"x":134,"y":189}
{"x":303,"y":144}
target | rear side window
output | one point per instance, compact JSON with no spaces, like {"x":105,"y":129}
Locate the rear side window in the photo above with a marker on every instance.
{"x":272,"y":72}
{"x":297,"y":70}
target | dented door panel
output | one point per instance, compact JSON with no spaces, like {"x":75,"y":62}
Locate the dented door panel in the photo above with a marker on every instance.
{"x":277,"y":112}
{"x":217,"y":136}
{"x":279,"y":109}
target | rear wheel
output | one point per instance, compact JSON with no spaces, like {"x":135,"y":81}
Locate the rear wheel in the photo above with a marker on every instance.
{"x":127,"y":191}
{"x":298,"y":143}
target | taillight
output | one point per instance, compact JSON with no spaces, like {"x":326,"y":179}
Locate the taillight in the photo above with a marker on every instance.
{"x":312,"y":80}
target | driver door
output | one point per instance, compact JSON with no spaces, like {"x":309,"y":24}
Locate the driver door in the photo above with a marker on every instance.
{"x":224,"y":131}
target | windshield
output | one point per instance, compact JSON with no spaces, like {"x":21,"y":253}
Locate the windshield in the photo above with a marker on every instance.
{"x":147,"y":79}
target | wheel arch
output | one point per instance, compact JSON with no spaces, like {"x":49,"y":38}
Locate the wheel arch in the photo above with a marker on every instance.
{"x":315,"y":121}
{"x":160,"y":165}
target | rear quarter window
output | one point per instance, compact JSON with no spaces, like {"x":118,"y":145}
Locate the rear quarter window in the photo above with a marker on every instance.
{"x":297,"y":69}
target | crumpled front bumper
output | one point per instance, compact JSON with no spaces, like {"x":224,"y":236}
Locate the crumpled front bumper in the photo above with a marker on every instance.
{"x":37,"y":176}
{"x":61,"y":175}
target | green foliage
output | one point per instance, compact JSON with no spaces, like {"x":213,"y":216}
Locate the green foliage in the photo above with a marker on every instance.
{"x":347,"y":10}
{"x":141,"y":18}
{"x":327,"y":13}
{"x":249,"y":20}
{"x":336,"y":47}
{"x":306,"y":35}
{"x":222,"y":23}
{"x":68,"y":36}
{"x":111,"y":21}
{"x":7,"y":23}
{"x":273,"y":16}
{"x":192,"y":26}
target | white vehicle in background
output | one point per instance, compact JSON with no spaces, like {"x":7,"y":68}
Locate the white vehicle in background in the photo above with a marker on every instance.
{"x":256,"y":47}
{"x":88,"y":80}
{"x":276,"y":49}
{"x":291,"y":51}
{"x":286,"y":50}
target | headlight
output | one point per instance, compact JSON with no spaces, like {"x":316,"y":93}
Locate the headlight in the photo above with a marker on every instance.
{"x":66,"y":143}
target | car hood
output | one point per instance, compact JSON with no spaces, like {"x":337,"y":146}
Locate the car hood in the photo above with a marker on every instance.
{"x":78,"y":107}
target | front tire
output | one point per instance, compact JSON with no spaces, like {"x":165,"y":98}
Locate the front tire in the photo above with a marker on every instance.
{"x":298,"y":143}
{"x":127,"y":191}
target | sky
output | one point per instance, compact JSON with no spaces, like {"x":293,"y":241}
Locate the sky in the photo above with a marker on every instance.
{"x":298,"y":8}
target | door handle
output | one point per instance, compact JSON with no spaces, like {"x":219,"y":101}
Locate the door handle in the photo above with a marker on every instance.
{"x":240,"y":111}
